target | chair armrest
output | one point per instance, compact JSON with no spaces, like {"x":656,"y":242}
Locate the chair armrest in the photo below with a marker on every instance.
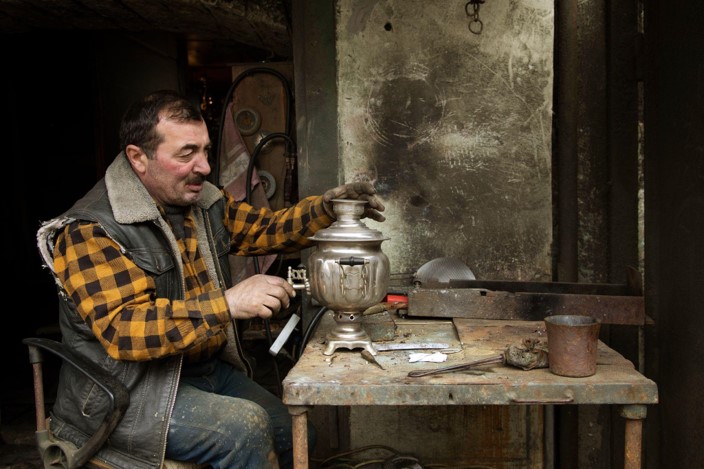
{"x":116,"y":392}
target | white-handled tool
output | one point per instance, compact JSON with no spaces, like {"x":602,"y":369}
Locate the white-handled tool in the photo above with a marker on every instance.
{"x":284,"y":334}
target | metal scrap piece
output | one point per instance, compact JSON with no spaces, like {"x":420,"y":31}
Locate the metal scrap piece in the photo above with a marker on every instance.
{"x":527,"y":355}
{"x":409,"y":346}
{"x":370,"y":358}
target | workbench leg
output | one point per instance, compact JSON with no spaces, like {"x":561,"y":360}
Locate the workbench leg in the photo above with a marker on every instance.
{"x":299,"y":417}
{"x":634,"y":415}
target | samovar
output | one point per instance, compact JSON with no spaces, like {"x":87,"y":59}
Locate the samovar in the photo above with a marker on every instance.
{"x":348,"y":273}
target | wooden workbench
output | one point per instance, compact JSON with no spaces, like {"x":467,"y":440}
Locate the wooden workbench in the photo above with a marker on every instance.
{"x":346,"y":379}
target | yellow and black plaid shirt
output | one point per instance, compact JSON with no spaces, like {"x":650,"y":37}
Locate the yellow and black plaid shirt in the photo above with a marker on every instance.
{"x":117,"y":299}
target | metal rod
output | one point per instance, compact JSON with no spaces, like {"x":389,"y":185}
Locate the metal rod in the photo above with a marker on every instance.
{"x":634,"y":415}
{"x":299,"y":420}
{"x":460,"y":367}
{"x":634,"y":433}
{"x":39,"y":396}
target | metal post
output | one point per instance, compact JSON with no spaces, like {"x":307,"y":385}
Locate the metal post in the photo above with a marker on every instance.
{"x":634,"y":415}
{"x":299,"y":416}
{"x":36,"y":359}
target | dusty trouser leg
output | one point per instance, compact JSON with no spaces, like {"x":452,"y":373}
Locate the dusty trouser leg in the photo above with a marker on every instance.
{"x":238,"y":384}
{"x":221,"y":431}
{"x":228,"y":381}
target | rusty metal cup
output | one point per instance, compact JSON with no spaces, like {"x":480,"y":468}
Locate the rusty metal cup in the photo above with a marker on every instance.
{"x":572,"y":345}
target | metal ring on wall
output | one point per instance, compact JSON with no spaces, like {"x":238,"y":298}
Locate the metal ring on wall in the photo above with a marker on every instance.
{"x":247,"y":121}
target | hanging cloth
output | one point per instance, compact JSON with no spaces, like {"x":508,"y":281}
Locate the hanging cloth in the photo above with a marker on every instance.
{"x":234,"y":159}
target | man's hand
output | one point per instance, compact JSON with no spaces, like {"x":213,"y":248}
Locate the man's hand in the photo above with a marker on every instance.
{"x":356,"y":190}
{"x":259,"y":296}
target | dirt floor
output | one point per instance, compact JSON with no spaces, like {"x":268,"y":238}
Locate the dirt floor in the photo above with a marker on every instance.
{"x":17,"y":444}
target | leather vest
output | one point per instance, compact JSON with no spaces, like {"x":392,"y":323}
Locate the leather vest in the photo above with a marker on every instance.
{"x":139,"y":440}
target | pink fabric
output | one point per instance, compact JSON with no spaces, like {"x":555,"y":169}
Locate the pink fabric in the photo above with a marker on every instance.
{"x":234,"y":159}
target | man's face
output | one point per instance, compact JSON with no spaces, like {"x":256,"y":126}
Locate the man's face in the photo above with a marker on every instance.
{"x":175,"y":175}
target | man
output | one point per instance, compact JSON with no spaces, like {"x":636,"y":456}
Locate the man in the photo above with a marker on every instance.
{"x":144,"y":287}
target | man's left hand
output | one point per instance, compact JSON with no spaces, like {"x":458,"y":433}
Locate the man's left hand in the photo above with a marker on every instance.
{"x":357,"y":190}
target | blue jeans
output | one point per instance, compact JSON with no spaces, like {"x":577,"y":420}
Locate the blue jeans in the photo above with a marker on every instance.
{"x":226,"y":420}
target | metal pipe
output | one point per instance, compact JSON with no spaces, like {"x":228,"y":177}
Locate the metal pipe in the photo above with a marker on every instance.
{"x":299,"y":418}
{"x":634,"y":415}
{"x":632,"y":454}
{"x":565,"y":155}
{"x":39,"y":396}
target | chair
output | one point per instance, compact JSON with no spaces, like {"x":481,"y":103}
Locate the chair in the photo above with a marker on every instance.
{"x":60,"y":454}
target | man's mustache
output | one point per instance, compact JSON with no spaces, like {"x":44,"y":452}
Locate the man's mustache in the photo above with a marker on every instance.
{"x":196,"y":180}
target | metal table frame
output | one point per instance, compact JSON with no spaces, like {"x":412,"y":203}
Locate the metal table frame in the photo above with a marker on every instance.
{"x":348,"y":380}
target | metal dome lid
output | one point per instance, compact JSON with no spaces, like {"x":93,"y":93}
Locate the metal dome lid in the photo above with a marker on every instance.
{"x":348,"y":227}
{"x":442,"y":272}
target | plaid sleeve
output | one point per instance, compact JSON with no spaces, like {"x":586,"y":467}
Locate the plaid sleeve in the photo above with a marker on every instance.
{"x":118,"y":300}
{"x":257,"y":231}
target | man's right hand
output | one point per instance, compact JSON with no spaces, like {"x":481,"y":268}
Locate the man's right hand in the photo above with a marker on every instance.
{"x":259,"y":296}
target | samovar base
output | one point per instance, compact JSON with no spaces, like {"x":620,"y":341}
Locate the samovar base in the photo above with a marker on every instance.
{"x":348,"y":333}
{"x":334,"y":344}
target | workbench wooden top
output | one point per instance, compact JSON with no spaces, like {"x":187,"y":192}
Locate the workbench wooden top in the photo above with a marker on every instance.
{"x":346,"y":378}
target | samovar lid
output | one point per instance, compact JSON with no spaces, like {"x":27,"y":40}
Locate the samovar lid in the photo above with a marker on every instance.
{"x":348,"y":227}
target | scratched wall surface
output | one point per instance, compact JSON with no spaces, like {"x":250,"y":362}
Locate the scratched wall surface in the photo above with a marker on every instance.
{"x":453,"y":128}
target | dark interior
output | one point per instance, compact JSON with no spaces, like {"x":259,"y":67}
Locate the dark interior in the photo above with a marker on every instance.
{"x":70,"y":68}
{"x":62,"y":134}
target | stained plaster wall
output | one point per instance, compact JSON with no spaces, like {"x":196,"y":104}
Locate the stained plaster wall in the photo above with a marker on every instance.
{"x":453,"y":128}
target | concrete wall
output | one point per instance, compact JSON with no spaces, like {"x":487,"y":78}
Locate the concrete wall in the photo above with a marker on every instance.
{"x":453,"y":128}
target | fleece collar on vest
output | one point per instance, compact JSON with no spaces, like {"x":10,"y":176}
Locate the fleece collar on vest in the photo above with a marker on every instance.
{"x":130,"y":201}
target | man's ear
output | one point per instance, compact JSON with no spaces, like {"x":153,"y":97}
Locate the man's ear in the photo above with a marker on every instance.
{"x":137,"y":158}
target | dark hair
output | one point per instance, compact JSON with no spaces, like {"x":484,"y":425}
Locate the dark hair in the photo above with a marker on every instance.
{"x":139,"y":123}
